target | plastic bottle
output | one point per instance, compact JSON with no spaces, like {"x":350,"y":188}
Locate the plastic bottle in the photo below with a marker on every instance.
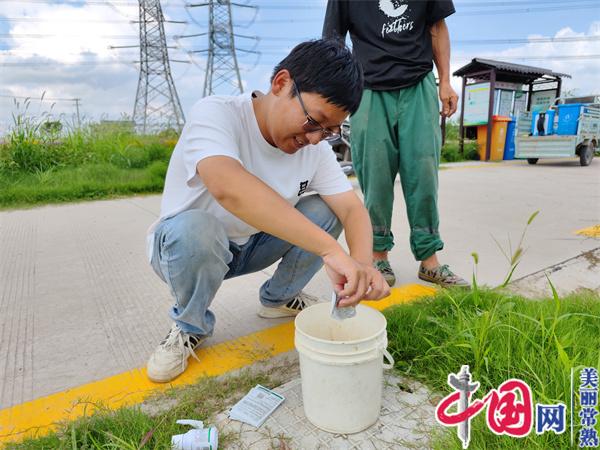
{"x":199,"y":438}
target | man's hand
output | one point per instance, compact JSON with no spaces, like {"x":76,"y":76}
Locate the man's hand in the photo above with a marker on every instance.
{"x":449,"y":99}
{"x":354,"y":281}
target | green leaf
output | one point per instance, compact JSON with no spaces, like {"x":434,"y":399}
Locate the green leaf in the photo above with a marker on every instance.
{"x":533,"y":217}
{"x":562,"y":355}
{"x":509,"y":276}
{"x":554,"y":293}
{"x":73,"y":438}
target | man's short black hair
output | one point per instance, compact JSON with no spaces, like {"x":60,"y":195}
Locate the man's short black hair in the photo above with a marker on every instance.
{"x":328,"y":68}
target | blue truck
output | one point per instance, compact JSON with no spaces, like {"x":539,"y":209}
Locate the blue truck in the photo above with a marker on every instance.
{"x":568,"y":129}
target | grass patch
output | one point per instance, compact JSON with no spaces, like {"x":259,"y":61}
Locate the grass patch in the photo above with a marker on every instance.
{"x":151,"y":426}
{"x":87,"y":182}
{"x":451,"y":151}
{"x":42,"y":164}
{"x":499,"y":336}
{"x":42,"y":161}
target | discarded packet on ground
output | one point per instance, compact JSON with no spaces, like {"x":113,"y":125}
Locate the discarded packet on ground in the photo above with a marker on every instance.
{"x":199,"y":438}
{"x":341,"y":313}
{"x":256,"y":406}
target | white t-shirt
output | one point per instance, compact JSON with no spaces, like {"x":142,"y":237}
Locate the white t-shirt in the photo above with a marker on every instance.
{"x":227,"y":126}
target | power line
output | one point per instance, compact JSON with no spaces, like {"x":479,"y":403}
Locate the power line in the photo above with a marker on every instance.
{"x":38,"y":20}
{"x":76,"y":101}
{"x":283,"y":51}
{"x":133,"y":36}
{"x":581,"y":4}
{"x":567,"y":39}
{"x":459,"y":6}
{"x":91,"y":3}
{"x":87,"y":2}
{"x":301,"y":39}
{"x":526,"y":40}
{"x":462,"y":14}
{"x":533,"y":57}
{"x":308,"y":3}
{"x":542,"y":9}
{"x":502,"y":57}
{"x":165,"y":5}
{"x":41,"y":98}
{"x":57,"y":63}
{"x":471,"y":4}
{"x":47,"y":35}
{"x":318,"y":5}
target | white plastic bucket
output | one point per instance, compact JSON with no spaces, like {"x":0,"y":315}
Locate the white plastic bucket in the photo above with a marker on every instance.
{"x":341,"y":366}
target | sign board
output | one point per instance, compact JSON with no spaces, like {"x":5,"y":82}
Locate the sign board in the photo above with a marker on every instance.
{"x":477,"y":104}
{"x":508,"y":86}
{"x":542,"y":100}
{"x":505,"y":103}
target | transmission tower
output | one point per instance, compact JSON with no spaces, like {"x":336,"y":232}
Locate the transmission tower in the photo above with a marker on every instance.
{"x":156,"y":102}
{"x":222,"y":68}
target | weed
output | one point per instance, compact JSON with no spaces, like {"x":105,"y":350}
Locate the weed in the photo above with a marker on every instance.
{"x":132,"y":428}
{"x":514,"y":257}
{"x":500,"y":336}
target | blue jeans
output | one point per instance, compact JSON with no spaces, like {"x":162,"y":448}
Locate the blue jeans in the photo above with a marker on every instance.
{"x":193,"y":255}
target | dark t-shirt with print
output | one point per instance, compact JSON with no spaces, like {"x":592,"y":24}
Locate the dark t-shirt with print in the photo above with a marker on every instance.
{"x":391,"y":38}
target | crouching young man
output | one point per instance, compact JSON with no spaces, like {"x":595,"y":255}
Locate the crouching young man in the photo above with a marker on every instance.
{"x":234,"y":200}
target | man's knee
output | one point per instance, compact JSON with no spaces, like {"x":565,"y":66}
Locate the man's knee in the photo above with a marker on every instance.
{"x":196,"y":236}
{"x":318,"y":212}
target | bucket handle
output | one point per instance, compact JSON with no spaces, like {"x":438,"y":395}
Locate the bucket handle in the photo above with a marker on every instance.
{"x":387,"y":356}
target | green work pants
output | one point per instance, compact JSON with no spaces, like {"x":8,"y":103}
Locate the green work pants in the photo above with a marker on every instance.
{"x":398,"y":132}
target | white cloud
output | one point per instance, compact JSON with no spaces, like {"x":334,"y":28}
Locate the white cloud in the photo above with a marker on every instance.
{"x":584,"y":72}
{"x":69,"y":30}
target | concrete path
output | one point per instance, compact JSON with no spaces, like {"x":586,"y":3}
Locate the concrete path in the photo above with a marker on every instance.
{"x":79,"y":302}
{"x":578,"y":274}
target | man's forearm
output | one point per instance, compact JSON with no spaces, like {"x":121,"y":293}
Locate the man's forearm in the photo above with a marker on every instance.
{"x":440,"y":41}
{"x":251,"y":200}
{"x":359,"y":235}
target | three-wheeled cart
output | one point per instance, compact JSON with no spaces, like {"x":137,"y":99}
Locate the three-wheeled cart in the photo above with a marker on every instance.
{"x":582,"y":140}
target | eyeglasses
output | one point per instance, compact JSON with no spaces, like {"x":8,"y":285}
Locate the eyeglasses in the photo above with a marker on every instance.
{"x":312,"y":126}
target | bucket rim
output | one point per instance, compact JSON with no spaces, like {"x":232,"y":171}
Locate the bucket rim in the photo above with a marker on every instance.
{"x":355,"y":341}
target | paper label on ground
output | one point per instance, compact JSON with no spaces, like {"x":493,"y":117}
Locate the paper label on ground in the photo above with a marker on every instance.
{"x":256,"y":406}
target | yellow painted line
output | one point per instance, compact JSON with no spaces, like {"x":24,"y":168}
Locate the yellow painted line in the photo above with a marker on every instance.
{"x":593,"y":232}
{"x":40,"y":416}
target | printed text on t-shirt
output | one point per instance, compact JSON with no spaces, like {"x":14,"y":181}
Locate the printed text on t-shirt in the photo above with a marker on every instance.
{"x":303,"y":186}
{"x":395,"y":9}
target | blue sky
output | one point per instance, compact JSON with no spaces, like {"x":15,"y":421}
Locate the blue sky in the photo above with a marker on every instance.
{"x":42,"y":46}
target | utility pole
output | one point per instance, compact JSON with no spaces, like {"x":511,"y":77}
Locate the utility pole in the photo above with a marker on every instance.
{"x":222,"y":69}
{"x":157,"y":104}
{"x":77,"y":100}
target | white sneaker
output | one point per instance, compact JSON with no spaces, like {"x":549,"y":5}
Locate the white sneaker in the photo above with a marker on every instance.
{"x":290,"y":309}
{"x":170,"y":359}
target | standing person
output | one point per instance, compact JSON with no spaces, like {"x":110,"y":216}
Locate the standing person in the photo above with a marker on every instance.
{"x":234,"y":200}
{"x":396,"y":128}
